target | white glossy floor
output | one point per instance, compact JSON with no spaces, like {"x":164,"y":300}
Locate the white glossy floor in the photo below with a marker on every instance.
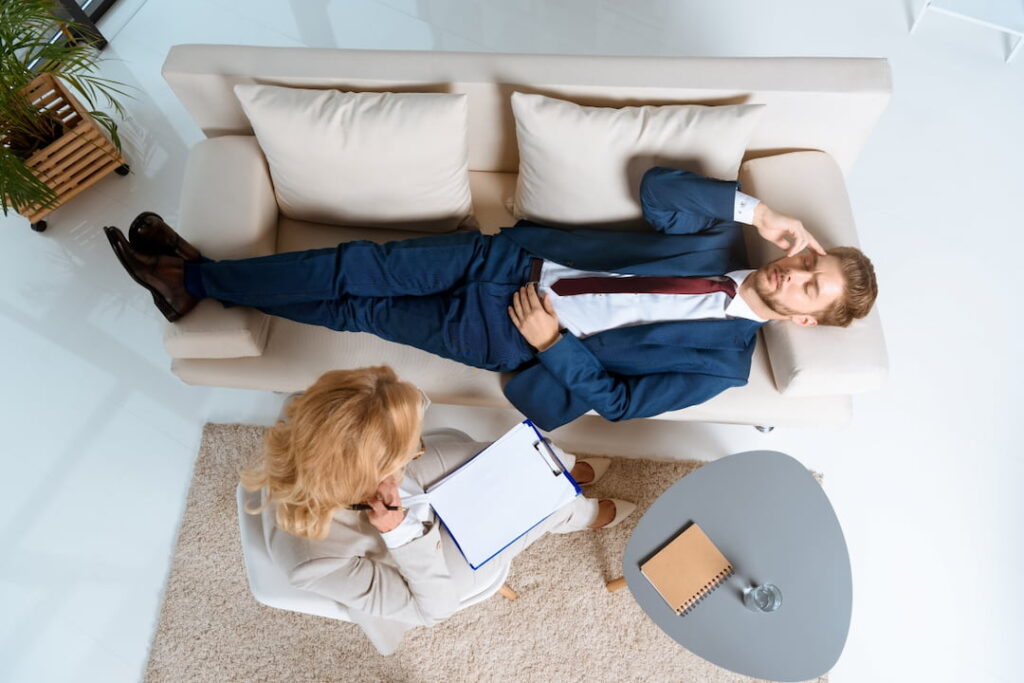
{"x":99,"y":437}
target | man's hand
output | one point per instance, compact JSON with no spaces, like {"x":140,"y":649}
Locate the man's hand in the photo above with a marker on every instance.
{"x":387,"y":494}
{"x":535,"y":319}
{"x":785,"y":232}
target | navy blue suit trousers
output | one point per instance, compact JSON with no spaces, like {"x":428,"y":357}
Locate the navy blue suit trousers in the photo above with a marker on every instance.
{"x":446,"y":294}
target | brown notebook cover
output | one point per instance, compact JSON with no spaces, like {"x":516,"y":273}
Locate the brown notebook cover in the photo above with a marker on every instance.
{"x":687,"y":569}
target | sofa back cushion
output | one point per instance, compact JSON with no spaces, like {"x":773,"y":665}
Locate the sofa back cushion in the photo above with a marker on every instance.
{"x":382,"y":159}
{"x":583,"y":165}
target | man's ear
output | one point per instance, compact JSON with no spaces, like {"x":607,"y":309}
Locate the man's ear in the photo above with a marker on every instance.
{"x":804,"y":320}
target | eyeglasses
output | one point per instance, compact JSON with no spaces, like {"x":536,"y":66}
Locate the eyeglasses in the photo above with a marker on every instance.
{"x":425,"y":402}
{"x":421,"y":451}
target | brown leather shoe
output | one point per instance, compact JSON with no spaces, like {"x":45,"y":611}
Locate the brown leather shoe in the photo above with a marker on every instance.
{"x":163,"y":276}
{"x":150,"y":235}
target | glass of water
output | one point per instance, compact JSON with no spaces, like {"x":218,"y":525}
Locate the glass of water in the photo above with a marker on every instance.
{"x":763,"y":598}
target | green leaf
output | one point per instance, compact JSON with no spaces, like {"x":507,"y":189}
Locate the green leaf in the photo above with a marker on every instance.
{"x":26,"y":50}
{"x":19,"y":188}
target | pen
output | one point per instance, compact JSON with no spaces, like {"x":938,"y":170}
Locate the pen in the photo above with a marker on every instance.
{"x":364,"y":506}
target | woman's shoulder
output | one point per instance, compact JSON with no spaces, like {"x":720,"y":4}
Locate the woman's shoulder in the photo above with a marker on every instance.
{"x":345,"y":541}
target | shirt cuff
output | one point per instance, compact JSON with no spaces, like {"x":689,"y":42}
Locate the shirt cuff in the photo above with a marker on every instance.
{"x":743,"y":209}
{"x":410,"y":529}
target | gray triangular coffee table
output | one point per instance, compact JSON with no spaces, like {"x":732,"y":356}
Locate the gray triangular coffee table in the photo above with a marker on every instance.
{"x":772,"y":520}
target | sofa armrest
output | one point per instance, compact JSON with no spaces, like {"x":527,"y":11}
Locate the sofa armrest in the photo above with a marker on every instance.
{"x":818,"y":361}
{"x":228,"y":211}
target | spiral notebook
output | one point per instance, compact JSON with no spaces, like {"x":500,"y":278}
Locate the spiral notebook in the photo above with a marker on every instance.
{"x":687,"y":570}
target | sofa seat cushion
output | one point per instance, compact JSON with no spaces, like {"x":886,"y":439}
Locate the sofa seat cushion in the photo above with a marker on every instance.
{"x":296,"y":355}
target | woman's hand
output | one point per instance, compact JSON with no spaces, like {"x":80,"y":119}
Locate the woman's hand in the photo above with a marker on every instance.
{"x":387,"y":494}
{"x":535,"y":319}
{"x":783,"y":231}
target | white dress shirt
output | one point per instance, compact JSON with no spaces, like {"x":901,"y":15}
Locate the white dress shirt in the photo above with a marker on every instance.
{"x":587,"y":314}
{"x":743,"y":208}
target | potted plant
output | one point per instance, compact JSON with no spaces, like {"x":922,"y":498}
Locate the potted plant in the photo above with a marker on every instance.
{"x":51,"y":145}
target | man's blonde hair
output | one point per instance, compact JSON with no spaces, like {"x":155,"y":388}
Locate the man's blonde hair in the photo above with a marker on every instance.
{"x":336,"y":443}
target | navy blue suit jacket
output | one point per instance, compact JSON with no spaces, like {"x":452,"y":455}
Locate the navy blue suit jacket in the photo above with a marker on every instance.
{"x":643,"y":370}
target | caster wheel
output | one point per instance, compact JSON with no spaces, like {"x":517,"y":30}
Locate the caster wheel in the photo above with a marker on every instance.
{"x":39,"y":226}
{"x":123,"y":169}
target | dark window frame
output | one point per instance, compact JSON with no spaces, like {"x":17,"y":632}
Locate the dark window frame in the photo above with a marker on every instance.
{"x":95,"y":14}
{"x":73,"y":11}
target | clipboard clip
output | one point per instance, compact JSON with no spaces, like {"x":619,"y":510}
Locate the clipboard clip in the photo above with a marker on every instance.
{"x":544,"y":451}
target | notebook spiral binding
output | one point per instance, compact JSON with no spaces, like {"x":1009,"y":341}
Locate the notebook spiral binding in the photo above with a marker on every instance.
{"x":705,"y":591}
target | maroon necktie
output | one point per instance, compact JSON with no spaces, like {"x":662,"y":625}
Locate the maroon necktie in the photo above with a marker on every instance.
{"x":642,"y":285}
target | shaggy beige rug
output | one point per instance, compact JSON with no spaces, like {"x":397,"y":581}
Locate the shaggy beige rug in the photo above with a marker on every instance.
{"x":564,"y":627}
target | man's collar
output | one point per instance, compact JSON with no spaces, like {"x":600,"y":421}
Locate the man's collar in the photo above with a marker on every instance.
{"x":738,"y":308}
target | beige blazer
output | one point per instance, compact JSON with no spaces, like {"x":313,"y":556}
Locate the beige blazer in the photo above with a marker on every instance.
{"x":388,"y":590}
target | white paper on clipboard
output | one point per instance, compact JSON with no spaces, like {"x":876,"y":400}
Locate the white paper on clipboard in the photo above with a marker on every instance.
{"x":501,"y":493}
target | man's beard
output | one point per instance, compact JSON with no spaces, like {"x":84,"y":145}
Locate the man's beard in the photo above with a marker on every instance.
{"x":769,"y":297}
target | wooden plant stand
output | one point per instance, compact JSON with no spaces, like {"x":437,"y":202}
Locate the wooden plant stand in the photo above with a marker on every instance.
{"x":81,"y":157}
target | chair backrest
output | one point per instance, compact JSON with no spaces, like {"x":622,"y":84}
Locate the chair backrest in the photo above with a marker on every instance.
{"x":270,"y":585}
{"x":267,"y":581}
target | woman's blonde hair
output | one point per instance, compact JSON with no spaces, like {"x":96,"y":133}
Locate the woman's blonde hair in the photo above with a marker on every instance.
{"x":338,"y":440}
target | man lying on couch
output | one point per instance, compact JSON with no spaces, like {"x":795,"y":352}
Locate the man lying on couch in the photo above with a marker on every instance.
{"x":627,"y":324}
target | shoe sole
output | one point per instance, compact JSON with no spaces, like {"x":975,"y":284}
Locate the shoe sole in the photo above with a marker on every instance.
{"x":161,"y":302}
{"x":165,"y":308}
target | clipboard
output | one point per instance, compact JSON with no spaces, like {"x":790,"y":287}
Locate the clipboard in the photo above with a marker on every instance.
{"x":501,"y":493}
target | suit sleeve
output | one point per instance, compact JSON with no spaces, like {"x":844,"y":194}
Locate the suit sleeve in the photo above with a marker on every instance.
{"x":570,"y":380}
{"x":418,"y":592}
{"x":680,"y":202}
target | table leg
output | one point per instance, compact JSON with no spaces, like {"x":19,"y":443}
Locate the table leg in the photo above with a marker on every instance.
{"x":616,"y":584}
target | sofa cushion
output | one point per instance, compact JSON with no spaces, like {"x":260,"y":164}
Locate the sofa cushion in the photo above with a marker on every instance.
{"x":380,"y":159}
{"x":213,"y":331}
{"x":297,"y":354}
{"x":582,"y":165}
{"x":814,"y":361}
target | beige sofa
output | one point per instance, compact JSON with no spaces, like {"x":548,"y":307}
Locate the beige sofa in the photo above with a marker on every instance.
{"x":819,"y":113}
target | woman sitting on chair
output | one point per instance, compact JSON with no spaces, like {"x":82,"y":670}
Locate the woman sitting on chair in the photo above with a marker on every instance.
{"x":353,"y":439}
